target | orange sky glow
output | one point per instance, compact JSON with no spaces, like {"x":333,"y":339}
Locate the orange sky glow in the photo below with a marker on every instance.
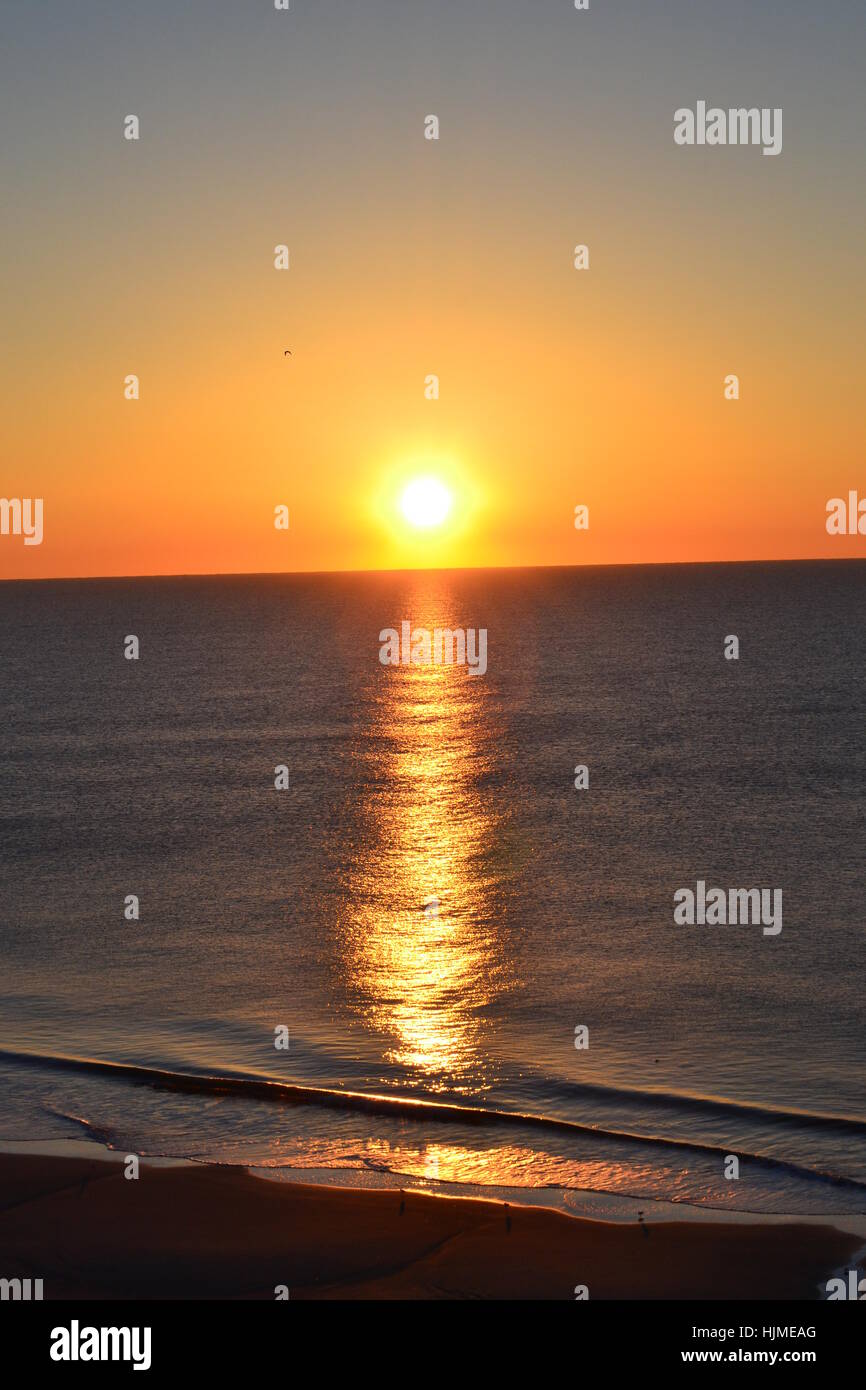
{"x":557,"y":387}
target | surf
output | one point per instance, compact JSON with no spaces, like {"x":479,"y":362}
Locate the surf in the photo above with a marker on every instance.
{"x":252,"y":1087}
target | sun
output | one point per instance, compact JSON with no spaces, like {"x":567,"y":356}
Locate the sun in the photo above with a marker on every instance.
{"x":425,"y":502}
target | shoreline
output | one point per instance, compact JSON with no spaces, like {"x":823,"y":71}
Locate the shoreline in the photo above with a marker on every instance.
{"x":185,"y":1230}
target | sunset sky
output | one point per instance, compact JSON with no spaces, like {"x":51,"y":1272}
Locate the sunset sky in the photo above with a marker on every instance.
{"x":411,"y":257}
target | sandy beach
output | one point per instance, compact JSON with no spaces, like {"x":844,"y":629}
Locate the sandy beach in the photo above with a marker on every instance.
{"x":197,"y":1231}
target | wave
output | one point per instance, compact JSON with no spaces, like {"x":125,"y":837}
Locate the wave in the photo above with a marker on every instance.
{"x":252,"y":1087}
{"x":98,"y":1133}
{"x":715,"y":1105}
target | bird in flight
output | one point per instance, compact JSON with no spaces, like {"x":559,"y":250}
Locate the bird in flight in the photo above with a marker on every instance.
{"x":287,"y":352}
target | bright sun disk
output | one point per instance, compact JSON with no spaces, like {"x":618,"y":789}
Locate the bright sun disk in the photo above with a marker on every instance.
{"x":425,"y":502}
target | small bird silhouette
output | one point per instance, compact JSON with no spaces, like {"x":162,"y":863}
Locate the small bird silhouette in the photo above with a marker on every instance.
{"x":287,"y":352}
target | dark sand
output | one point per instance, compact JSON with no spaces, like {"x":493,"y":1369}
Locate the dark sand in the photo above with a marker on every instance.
{"x":210,"y":1232}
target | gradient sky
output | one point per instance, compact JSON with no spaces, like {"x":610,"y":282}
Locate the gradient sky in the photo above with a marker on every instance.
{"x":412,"y":257}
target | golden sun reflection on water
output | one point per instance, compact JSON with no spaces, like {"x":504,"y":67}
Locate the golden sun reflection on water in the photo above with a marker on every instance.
{"x":515,"y":1165}
{"x":424,"y":952}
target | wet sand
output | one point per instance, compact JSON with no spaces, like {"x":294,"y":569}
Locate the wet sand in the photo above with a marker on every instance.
{"x":198,"y":1231}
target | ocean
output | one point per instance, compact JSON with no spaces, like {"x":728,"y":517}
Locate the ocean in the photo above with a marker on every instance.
{"x":431,"y":911}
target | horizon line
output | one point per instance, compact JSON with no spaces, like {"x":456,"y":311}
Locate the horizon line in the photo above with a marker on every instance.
{"x":424,"y":569}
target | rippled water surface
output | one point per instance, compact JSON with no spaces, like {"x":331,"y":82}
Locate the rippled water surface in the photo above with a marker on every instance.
{"x":431,"y":908}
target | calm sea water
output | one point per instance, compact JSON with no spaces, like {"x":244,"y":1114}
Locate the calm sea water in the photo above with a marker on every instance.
{"x":306,"y":907}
